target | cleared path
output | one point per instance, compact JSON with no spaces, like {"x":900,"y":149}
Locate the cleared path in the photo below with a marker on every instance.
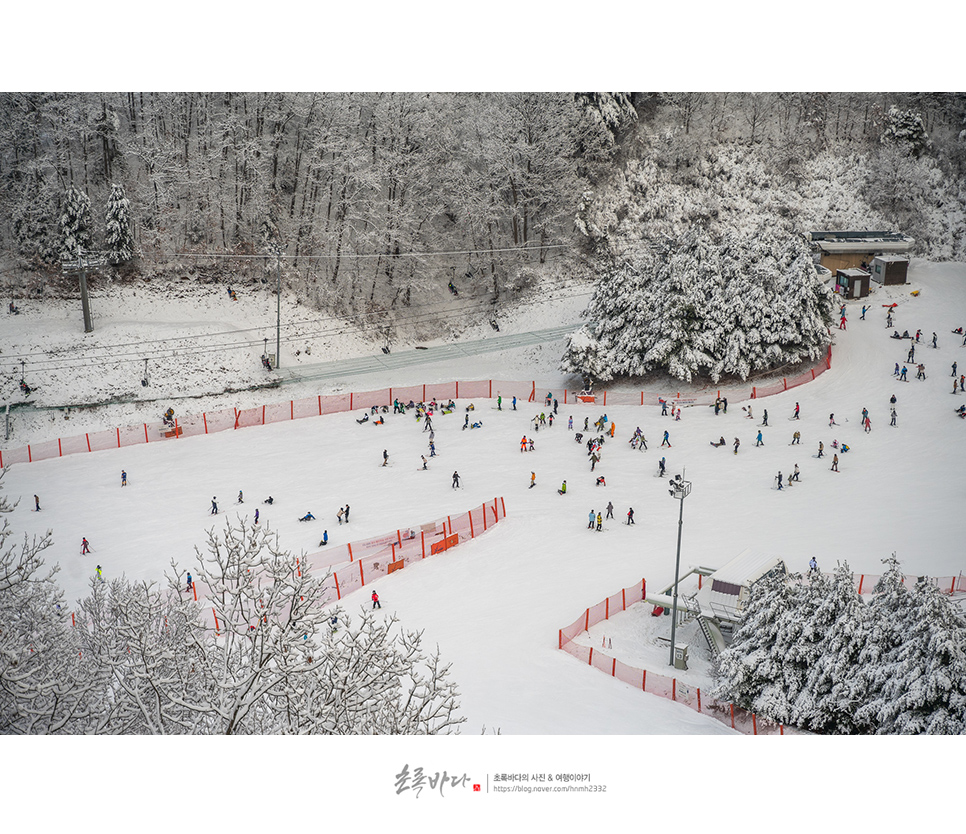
{"x":408,"y":358}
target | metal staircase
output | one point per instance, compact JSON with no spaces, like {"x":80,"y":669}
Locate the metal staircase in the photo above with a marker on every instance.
{"x":715,"y":641}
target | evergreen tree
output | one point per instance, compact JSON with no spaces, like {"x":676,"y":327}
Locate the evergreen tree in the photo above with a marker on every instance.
{"x":75,"y":223}
{"x":906,"y":129}
{"x":118,"y":235}
{"x":34,"y":221}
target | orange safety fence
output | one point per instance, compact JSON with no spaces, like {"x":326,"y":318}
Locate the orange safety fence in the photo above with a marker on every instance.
{"x":528,"y":395}
{"x":655,"y":683}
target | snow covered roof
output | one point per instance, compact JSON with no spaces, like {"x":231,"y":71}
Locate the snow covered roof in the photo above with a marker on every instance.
{"x":861,"y":241}
{"x":891,"y":259}
{"x":853,"y":272}
{"x":746,"y":568}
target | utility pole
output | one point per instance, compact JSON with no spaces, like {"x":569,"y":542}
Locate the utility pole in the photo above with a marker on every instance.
{"x":278,"y":311}
{"x":680,"y":489}
{"x":80,"y":266}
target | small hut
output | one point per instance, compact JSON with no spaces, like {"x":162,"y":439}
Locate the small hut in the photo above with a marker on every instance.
{"x":890,"y":269}
{"x":853,"y":283}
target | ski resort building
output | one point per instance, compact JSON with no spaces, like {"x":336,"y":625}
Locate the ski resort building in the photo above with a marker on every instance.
{"x":890,"y":269}
{"x":853,"y":283}
{"x":848,"y":250}
{"x":722,"y":596}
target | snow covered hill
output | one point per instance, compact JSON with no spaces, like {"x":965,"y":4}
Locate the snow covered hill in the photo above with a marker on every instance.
{"x":494,"y":605}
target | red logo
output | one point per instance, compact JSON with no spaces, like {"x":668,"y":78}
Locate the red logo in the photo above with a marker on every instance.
{"x":476,"y":787}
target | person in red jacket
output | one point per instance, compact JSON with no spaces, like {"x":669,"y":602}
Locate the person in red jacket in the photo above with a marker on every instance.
{"x":375,"y":600}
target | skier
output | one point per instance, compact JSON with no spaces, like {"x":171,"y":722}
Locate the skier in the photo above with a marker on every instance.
{"x":831,"y":420}
{"x":98,"y":573}
{"x":759,"y":441}
{"x":432,"y":449}
{"x":610,"y":509}
{"x":663,"y":409}
{"x":590,"y":520}
{"x":190,"y":584}
{"x":570,"y":423}
{"x":821,"y":448}
{"x":385,"y":458}
{"x":795,"y":417}
{"x":812,"y":565}
{"x":737,"y":444}
{"x":563,"y":489}
{"x":835,"y":463}
{"x":530,"y":445}
{"x":240,"y":499}
{"x":523,"y":443}
{"x":896,"y":371}
{"x":554,"y":405}
{"x":902,"y":376}
{"x":499,"y":403}
{"x":346,"y":513}
{"x":779,"y":479}
{"x":864,"y":308}
{"x":918,"y":334}
{"x":600,"y":522}
{"x":934,"y":340}
{"x":796,"y":438}
{"x":36,"y":504}
{"x":325,"y":538}
{"x":514,"y":403}
{"x":661,"y":466}
{"x":424,"y":460}
{"x":307,"y":517}
{"x":842,"y":322}
{"x":794,"y":474}
{"x":456,"y":479}
{"x":630,"y":515}
{"x":954,"y":370}
{"x":124,"y":474}
{"x":764,"y":419}
{"x":868,"y":425}
{"x":533,"y":480}
{"x":466,"y":421}
{"x":666,"y":441}
{"x":85,"y":546}
{"x":893,"y":421}
{"x":256,"y":516}
{"x":339,"y":515}
{"x":912,"y":354}
{"x":214,"y":506}
{"x":375,"y":601}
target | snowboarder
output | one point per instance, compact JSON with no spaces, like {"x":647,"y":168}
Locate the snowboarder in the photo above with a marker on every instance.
{"x":325,"y":538}
{"x":124,"y":474}
{"x":456,"y":479}
{"x":737,"y":444}
{"x":36,"y":504}
{"x":918,"y":334}
{"x":661,"y":467}
{"x":893,"y":420}
{"x":563,"y":489}
{"x":190,"y":584}
{"x":256,"y":516}
{"x":533,"y":480}
{"x":307,"y":517}
{"x":375,"y":601}
{"x":590,"y":520}
{"x":85,"y":546}
{"x":214,"y":505}
{"x":610,"y":509}
{"x":779,"y":479}
{"x":385,"y":457}
{"x":821,"y":448}
{"x":759,"y":441}
{"x":902,"y":375}
{"x":241,"y":500}
{"x":912,"y":354}
{"x":600,"y":522}
{"x":630,"y":515}
{"x":896,"y":371}
{"x":954,"y":370}
{"x":831,"y":420}
{"x":920,"y":371}
{"x":835,"y":463}
{"x":666,"y":441}
{"x":794,"y":476}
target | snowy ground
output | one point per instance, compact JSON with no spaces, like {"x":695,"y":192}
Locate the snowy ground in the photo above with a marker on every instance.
{"x":494,"y":605}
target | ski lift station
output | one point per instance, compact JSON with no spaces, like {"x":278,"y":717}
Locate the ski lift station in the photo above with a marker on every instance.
{"x":719,"y":603}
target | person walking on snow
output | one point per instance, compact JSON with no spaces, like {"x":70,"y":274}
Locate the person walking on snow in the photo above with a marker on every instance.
{"x":862,"y":317}
{"x":893,"y":421}
{"x":424,"y":460}
{"x":842,"y":322}
{"x":385,"y":457}
{"x":346,"y":513}
{"x":868,"y":425}
{"x":666,"y":441}
{"x":630,"y":515}
{"x":600,"y":522}
{"x":759,"y":441}
{"x":934,"y":340}
{"x":85,"y":546}
{"x":764,"y":419}
{"x":533,"y":480}
{"x":214,"y":506}
{"x":821,"y":448}
{"x":499,"y":403}
{"x":456,"y":479}
{"x":339,"y":515}
{"x":36,"y":504}
{"x":375,"y":601}
{"x":796,"y":438}
{"x":124,"y":474}
{"x":514,"y":403}
{"x":256,"y":516}
{"x":812,"y":565}
{"x":240,"y":499}
{"x":590,"y":520}
{"x":610,"y":509}
{"x":795,"y":416}
{"x":835,"y":463}
{"x":661,"y":464}
{"x":737,"y":444}
{"x":779,"y":479}
{"x":954,"y":370}
{"x":190,"y":584}
{"x":794,"y":476}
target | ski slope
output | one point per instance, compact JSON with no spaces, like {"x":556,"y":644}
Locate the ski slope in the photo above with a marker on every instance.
{"x":494,"y":605}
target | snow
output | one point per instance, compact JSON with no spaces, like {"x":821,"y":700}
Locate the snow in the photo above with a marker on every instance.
{"x":494,"y":605}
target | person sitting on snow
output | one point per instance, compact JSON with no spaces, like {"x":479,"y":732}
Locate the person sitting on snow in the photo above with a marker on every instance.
{"x":307,"y":517}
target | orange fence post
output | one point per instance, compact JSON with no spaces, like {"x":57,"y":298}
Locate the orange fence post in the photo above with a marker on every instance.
{"x":754,"y":392}
{"x":503,"y":506}
{"x":350,"y":401}
{"x":559,"y":636}
{"x":338,"y":593}
{"x":644,"y":681}
{"x":30,"y":457}
{"x":72,"y":619}
{"x":145,"y":433}
{"x":60,"y":450}
{"x":320,"y":405}
{"x":291,"y":409}
{"x":457,"y":389}
{"x":607,"y":608}
{"x":118,"y":437}
{"x":587,"y":619}
{"x":263,"y":415}
{"x":732,"y":716}
{"x":754,"y":724}
{"x":590,"y":660}
{"x":482,"y":507}
{"x":699,"y":699}
{"x":449,"y":521}
{"x":88,"y":438}
{"x":674,"y":689}
{"x":362,"y":575}
{"x":298,"y":568}
{"x":195,"y":589}
{"x":422,"y":541}
{"x":472,"y":533}
{"x":613,"y":667}
{"x":215,"y":615}
{"x":861,"y":580}
{"x":349,"y":545}
{"x":623,"y":600}
{"x":204,"y":419}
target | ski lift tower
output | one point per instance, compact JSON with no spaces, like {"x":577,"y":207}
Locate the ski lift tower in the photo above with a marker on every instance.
{"x":82,"y":263}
